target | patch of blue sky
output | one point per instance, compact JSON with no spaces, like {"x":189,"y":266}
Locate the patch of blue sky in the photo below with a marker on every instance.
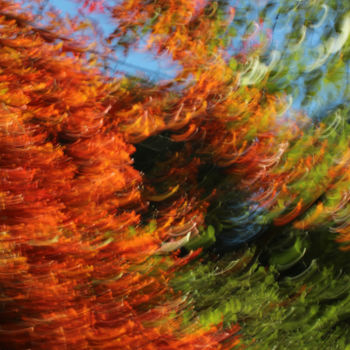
{"x":138,"y":61}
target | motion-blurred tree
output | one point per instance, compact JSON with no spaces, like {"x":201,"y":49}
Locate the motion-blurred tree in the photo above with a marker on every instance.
{"x":227,"y":217}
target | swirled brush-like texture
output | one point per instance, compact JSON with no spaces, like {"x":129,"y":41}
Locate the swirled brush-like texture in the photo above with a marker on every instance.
{"x":200,"y":212}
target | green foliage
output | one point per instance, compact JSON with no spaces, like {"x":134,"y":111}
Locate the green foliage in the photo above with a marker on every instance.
{"x":205,"y":239}
{"x":294,"y":302}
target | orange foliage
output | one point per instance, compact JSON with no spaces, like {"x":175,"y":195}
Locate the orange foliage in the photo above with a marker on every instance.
{"x":71,"y":273}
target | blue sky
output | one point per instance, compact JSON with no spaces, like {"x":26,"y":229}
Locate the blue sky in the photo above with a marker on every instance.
{"x":136,"y":61}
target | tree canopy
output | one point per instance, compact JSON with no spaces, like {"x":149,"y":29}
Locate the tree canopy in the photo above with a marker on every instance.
{"x":209,"y":210}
